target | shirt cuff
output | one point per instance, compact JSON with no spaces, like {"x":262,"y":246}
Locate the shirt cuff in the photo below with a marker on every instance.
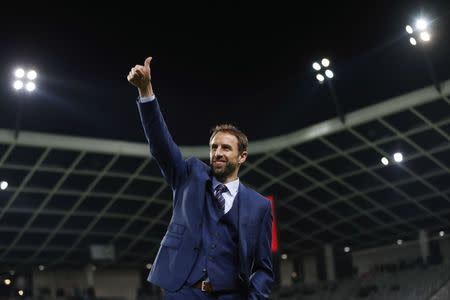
{"x":147,"y":99}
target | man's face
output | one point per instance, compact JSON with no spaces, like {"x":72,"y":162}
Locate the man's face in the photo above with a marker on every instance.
{"x":224,"y":155}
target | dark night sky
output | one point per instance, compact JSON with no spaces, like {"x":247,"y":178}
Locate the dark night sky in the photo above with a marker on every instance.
{"x":250,"y":66}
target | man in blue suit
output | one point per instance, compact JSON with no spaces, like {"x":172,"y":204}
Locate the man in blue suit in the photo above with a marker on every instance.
{"x":218,"y":242}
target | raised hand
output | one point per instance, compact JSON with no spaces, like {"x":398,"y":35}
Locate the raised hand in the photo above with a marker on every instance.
{"x":140,"y":77}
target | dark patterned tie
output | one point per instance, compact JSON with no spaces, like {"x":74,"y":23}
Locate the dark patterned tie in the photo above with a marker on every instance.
{"x":221,"y":188}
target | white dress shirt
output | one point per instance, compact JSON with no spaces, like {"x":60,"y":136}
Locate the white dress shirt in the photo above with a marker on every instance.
{"x":230,"y":194}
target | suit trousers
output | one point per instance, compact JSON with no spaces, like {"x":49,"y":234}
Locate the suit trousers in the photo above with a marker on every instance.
{"x":189,"y":293}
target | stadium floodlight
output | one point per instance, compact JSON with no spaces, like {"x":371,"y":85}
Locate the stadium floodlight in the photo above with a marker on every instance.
{"x":441,"y":233}
{"x":322,"y":66}
{"x":320,"y":77}
{"x":420,"y":36}
{"x":23,"y":80}
{"x":18,"y":84}
{"x":325,"y":62}
{"x":316,"y":66}
{"x":30,"y":86}
{"x":385,"y":161}
{"x":418,"y":33}
{"x":3,"y":185}
{"x":31,"y":75}
{"x":398,"y":157}
{"x":347,"y":249}
{"x":19,"y":73}
{"x":323,"y":72}
{"x":329,"y":73}
{"x":421,"y":24}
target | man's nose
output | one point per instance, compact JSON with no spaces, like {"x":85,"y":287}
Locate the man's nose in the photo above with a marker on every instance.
{"x":218,"y":152}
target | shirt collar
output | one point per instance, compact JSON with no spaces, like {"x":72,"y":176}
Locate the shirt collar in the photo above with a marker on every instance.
{"x":232,"y":186}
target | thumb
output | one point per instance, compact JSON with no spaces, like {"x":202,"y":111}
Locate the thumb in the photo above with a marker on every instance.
{"x":147,"y":62}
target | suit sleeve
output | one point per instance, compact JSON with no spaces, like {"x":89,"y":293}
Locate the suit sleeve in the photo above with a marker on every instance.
{"x":261,"y":278}
{"x":162,"y":146}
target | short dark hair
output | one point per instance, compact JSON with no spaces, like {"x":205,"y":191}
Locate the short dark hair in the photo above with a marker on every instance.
{"x":231,"y":129}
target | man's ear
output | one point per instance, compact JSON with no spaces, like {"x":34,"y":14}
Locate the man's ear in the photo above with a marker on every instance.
{"x":243,"y":157}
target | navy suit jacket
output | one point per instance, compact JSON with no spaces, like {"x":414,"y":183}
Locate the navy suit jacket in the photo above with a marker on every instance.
{"x":180,"y":245}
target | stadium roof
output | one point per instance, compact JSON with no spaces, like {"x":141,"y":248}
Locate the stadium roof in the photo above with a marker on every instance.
{"x":67,"y":193}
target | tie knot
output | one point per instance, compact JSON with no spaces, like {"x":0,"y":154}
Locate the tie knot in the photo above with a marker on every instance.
{"x":221,"y":188}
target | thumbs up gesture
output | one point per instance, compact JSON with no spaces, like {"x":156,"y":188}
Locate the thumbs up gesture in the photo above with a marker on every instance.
{"x":140,"y":77}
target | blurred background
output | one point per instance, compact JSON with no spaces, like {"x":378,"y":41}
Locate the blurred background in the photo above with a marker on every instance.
{"x":346,"y":106}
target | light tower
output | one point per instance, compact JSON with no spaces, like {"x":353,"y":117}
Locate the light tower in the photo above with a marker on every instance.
{"x":24,"y":81}
{"x":420,"y":36}
{"x":324,"y":74}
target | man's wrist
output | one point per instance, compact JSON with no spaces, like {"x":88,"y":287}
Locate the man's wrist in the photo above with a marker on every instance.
{"x":146,"y":92}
